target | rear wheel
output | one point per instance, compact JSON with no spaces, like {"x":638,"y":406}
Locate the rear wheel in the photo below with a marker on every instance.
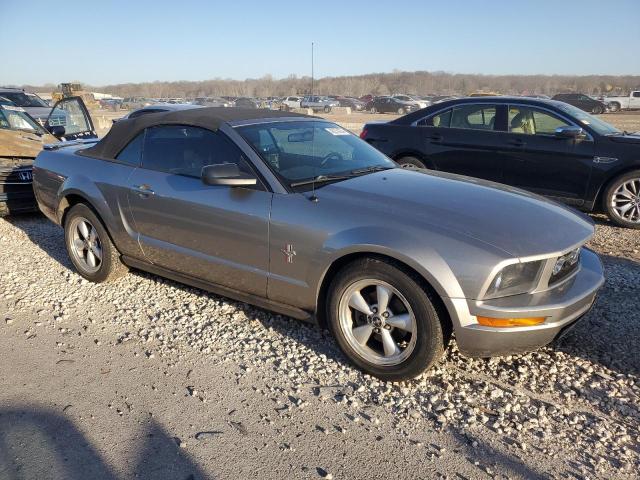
{"x":373,"y":110}
{"x":384,"y":321}
{"x":614,"y":107}
{"x":89,"y":246}
{"x":400,"y":111}
{"x":622,"y":200}
{"x":411,"y":162}
{"x":327,"y":109}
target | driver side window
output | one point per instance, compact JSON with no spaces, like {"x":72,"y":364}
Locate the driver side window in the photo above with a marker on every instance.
{"x":532,"y":121}
{"x":184,"y":150}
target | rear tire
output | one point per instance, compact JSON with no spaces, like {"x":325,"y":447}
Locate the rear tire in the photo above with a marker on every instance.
{"x":622,"y":200}
{"x":398,"y":342}
{"x":89,"y":246}
{"x":327,"y":109}
{"x":614,"y":107}
{"x":411,"y":162}
{"x":373,"y":110}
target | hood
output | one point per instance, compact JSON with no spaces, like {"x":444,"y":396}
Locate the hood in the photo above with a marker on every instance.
{"x":629,"y":138}
{"x":16,"y":143}
{"x":38,"y":112}
{"x":517,"y":222}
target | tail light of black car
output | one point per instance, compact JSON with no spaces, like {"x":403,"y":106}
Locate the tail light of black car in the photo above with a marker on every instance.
{"x":363,"y":133}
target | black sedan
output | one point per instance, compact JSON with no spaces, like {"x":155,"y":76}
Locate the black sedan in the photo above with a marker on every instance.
{"x":583,"y":102}
{"x":391,"y":105}
{"x":544,"y":146}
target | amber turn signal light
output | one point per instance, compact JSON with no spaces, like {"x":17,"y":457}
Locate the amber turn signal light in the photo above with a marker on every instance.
{"x":510,"y":322}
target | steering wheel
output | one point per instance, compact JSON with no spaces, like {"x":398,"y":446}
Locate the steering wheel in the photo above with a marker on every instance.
{"x":331,"y":156}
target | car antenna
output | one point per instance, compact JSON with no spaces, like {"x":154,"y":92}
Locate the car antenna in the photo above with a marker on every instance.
{"x":313,"y":196}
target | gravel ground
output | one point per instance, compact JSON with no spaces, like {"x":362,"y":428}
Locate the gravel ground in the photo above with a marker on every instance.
{"x":213,"y":380}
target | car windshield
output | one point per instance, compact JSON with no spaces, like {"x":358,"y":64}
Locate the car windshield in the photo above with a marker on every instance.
{"x":23,"y":100}
{"x":12,"y":118}
{"x":303,"y":150}
{"x":600,"y":126}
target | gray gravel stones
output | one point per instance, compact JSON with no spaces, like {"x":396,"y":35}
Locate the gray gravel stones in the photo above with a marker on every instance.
{"x":579,"y":400}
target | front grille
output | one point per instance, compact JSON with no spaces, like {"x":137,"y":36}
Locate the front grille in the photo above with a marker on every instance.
{"x":16,"y":180}
{"x":565,"y":266}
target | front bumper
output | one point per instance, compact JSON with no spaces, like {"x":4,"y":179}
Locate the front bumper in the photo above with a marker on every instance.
{"x":562,"y":305}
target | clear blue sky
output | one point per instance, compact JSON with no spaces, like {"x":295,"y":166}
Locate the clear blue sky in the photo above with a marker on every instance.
{"x":105,"y":42}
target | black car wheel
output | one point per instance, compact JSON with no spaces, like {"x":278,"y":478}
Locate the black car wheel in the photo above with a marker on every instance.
{"x":597,"y":110}
{"x":400,"y":111}
{"x":327,"y":109}
{"x":89,"y":246}
{"x":622,"y":200}
{"x":411,"y":162}
{"x":384,"y":321}
{"x":373,"y":110}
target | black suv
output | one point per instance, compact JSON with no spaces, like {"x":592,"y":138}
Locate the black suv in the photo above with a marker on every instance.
{"x":582,"y":101}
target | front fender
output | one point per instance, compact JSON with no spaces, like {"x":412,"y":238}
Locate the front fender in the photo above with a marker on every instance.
{"x":407,"y":249}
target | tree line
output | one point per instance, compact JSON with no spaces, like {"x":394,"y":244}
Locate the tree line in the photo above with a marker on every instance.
{"x":421,"y":83}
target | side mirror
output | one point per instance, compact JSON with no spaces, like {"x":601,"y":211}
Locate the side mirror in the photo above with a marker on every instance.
{"x":570,"y":132}
{"x":57,"y":131}
{"x":226,"y":174}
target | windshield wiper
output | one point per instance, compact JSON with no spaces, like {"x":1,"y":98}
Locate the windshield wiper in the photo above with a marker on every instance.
{"x":320,"y":179}
{"x":375,"y":168}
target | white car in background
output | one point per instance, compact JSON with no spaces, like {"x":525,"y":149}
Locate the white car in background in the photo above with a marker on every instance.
{"x":412,"y":99}
{"x":289,"y":103}
{"x":628,"y":102}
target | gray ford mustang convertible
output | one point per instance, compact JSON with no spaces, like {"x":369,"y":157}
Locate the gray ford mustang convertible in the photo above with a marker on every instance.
{"x":297,"y":215}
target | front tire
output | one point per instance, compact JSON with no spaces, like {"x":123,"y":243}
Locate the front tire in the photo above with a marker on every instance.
{"x":89,"y":246}
{"x":327,"y":109}
{"x":622,"y":200}
{"x":373,"y":110}
{"x":384,"y":321}
{"x":597,"y":110}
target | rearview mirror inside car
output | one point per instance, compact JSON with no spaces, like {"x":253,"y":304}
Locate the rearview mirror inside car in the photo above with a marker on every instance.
{"x":306,"y":136}
{"x":228,"y":174}
{"x":570,"y":132}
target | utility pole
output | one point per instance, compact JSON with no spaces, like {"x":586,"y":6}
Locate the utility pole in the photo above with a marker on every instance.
{"x":311,"y":68}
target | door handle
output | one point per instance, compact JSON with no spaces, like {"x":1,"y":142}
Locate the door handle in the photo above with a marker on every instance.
{"x":143,"y":190}
{"x":518,"y":142}
{"x":436,"y":138}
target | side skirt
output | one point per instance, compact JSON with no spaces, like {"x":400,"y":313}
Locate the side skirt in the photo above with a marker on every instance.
{"x":261,"y":302}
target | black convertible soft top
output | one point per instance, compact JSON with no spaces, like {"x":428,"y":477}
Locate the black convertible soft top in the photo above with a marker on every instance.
{"x":124,"y":131}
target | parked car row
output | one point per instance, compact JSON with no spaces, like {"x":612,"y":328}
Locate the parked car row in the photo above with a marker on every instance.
{"x":297,"y":215}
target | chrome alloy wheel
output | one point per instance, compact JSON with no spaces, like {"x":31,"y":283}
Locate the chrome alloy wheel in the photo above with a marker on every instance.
{"x":86,"y":246}
{"x":625,"y":201}
{"x":377,"y":322}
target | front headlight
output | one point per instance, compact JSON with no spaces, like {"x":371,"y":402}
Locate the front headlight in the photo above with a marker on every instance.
{"x":515,"y":279}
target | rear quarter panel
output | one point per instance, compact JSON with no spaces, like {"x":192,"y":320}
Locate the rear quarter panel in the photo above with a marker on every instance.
{"x":60,"y":174}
